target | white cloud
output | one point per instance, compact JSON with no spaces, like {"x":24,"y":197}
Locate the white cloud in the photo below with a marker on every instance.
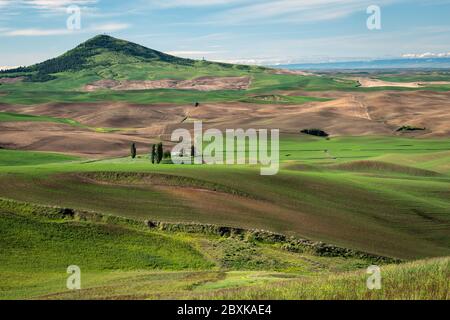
{"x":46,"y":6}
{"x":426,"y":55}
{"x":36,"y":32}
{"x":190,"y":3}
{"x":192,"y":54}
{"x":7,"y":67}
{"x":256,"y":61}
{"x":295,"y":11}
{"x":57,"y":4}
{"x":108,"y":27}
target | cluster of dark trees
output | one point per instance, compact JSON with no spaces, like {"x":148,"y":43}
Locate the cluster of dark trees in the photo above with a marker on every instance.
{"x":157,"y":153}
{"x":410,"y":128}
{"x":315,"y":132}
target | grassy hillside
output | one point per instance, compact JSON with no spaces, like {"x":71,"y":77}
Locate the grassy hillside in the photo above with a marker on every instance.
{"x":102,"y":51}
{"x":39,"y":243}
{"x":62,"y":79}
{"x":398,"y":210}
{"x":385,"y":196}
{"x":420,"y":280}
{"x":130,"y":261}
{"x":105,"y":57}
{"x":28,"y":158}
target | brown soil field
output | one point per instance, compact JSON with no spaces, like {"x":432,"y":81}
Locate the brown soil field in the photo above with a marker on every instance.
{"x":349,"y":113}
{"x":200,"y":84}
{"x":54,"y":137}
{"x":373,"y":83}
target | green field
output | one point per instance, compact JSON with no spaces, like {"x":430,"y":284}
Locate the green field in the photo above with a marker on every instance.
{"x":419,"y":280}
{"x":314,"y":195}
{"x":65,"y":89}
{"x":384,"y":196}
{"x":38,"y":244}
{"x":27,"y":158}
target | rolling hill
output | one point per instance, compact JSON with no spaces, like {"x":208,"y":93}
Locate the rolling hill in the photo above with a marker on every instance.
{"x":102,"y":53}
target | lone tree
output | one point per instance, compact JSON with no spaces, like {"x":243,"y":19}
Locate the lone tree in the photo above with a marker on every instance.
{"x":153,"y":153}
{"x":133,"y":150}
{"x":159,"y":152}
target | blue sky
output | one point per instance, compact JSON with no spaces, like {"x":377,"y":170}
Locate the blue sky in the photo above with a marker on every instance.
{"x":246,"y":31}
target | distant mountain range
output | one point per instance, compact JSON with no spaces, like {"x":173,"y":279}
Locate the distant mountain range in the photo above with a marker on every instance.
{"x":400,"y":63}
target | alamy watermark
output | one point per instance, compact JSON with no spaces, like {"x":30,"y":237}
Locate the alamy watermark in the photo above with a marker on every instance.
{"x":74,"y":280}
{"x":374,"y":20}
{"x":74,"y":20}
{"x":374,"y":280}
{"x":235,"y":146}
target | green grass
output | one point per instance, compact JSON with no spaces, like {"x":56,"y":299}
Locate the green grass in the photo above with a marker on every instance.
{"x":124,"y":259}
{"x":33,"y":248}
{"x":421,"y":280}
{"x":382,"y":195}
{"x":401,"y":212}
{"x":29,"y":158}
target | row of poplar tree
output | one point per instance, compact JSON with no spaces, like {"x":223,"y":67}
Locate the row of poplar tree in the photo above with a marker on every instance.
{"x":156,"y":155}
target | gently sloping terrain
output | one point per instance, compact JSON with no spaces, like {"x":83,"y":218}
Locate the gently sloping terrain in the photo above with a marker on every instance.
{"x":377,"y":113}
{"x":42,"y":136}
{"x":125,"y":259}
{"x":375,"y":83}
{"x":404,"y":217}
{"x":201,"y":84}
{"x":420,"y":280}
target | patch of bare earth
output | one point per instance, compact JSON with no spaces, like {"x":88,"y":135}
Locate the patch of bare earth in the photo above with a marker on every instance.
{"x":374,"y":83}
{"x":377,"y":113}
{"x":11,"y":80}
{"x":200,"y":84}
{"x":292,"y":72}
{"x":42,"y":136}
